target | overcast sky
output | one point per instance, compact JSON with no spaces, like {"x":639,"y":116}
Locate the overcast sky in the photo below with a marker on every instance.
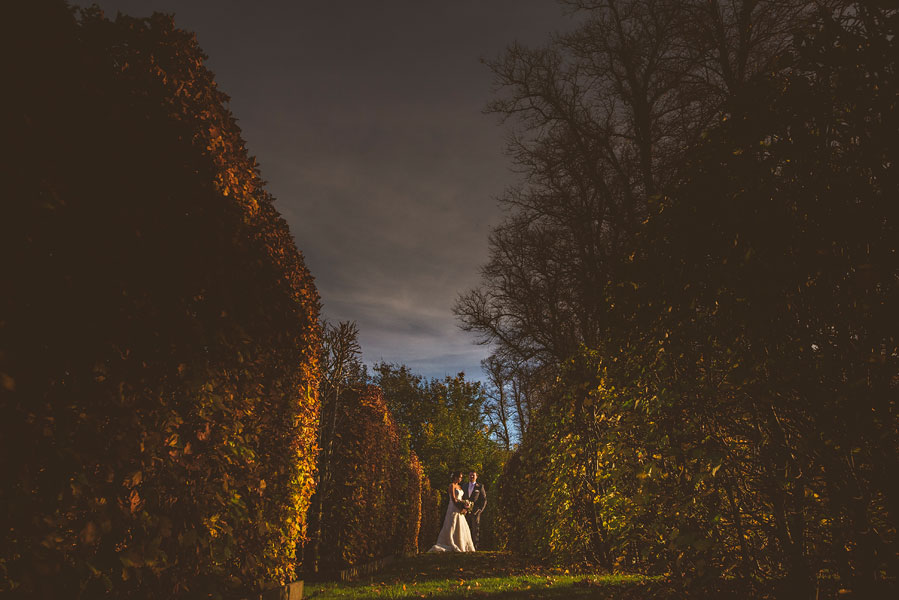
{"x":366,"y":119}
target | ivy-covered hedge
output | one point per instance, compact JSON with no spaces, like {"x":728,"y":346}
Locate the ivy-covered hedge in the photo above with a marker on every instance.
{"x":158,"y":328}
{"x":373,"y":509}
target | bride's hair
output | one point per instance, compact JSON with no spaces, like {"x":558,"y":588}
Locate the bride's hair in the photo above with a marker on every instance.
{"x":455,"y":475}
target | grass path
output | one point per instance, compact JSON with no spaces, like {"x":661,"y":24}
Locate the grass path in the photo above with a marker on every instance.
{"x":501,"y":576}
{"x":490,"y":575}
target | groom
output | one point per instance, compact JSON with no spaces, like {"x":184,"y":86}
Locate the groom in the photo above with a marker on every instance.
{"x":474,"y":491}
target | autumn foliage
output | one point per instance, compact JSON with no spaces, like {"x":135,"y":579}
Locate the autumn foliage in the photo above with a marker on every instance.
{"x":158,"y":328}
{"x":431,"y":515}
{"x":373,"y":507}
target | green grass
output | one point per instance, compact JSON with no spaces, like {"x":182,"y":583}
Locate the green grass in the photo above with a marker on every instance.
{"x":491,"y":575}
{"x":501,"y":576}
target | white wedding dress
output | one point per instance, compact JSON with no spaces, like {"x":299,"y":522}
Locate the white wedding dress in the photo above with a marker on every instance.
{"x":455,"y":535}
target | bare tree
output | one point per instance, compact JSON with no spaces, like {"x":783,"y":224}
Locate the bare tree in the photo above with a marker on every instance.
{"x":600,"y":118}
{"x":497,"y":408}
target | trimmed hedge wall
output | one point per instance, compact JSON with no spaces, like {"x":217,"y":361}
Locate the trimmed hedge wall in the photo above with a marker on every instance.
{"x":158,"y":328}
{"x":411,"y":506}
{"x":431,"y":516}
{"x":373,"y":509}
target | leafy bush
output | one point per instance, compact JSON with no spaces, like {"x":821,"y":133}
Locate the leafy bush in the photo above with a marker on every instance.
{"x":158,"y":328}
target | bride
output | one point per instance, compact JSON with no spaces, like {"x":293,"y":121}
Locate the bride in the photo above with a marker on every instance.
{"x":455,"y":535}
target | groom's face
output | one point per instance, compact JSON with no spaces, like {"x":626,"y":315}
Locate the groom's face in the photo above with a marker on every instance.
{"x":472,"y":477}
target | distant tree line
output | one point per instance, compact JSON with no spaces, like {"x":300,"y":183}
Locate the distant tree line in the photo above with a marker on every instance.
{"x":389,"y":440}
{"x":692,"y":302}
{"x":445,"y":421}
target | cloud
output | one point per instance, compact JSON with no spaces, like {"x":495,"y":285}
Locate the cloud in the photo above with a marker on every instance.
{"x":366,"y":121}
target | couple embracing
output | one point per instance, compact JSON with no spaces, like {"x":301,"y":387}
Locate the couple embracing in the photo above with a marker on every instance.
{"x":463,"y":515}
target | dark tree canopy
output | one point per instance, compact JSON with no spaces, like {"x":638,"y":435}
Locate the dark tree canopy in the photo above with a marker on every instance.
{"x":600,"y":119}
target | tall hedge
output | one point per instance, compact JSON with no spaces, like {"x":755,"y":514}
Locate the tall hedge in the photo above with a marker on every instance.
{"x":158,"y":328}
{"x":431,"y":515}
{"x":373,"y":508}
{"x":411,"y":504}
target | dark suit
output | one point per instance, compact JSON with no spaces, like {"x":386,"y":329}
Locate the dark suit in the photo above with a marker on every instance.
{"x":478,"y":497}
